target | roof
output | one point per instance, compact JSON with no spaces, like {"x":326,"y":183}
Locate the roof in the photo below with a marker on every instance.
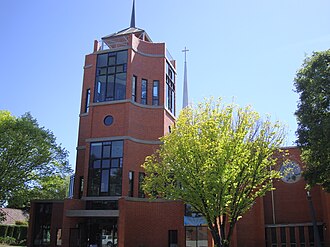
{"x":13,"y":215}
{"x":129,"y":30}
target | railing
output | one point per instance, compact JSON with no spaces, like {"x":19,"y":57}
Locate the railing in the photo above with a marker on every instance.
{"x":169,"y":56}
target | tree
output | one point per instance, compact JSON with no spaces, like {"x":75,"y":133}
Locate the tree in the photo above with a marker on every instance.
{"x":53,"y":187}
{"x":29,"y":158}
{"x":312,"y":83}
{"x":218,"y":160}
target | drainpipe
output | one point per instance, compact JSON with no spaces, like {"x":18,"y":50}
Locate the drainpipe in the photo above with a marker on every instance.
{"x":312,"y":212}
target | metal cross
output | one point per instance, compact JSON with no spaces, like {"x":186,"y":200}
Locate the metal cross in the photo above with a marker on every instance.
{"x":185,"y":53}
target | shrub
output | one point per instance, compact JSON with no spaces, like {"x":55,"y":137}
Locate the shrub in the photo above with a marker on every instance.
{"x":8,"y":240}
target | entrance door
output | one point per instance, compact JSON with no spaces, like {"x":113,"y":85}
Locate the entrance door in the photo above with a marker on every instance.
{"x":103,"y":232}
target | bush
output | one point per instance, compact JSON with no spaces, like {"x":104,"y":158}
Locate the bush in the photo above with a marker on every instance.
{"x":3,"y":230}
{"x":8,"y":240}
{"x":16,"y":232}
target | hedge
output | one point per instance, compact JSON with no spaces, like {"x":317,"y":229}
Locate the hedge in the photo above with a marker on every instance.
{"x":19,"y":232}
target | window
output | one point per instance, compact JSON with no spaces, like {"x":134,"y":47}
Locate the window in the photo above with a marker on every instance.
{"x":141,"y":192}
{"x":173,"y":238}
{"x":108,"y":120}
{"x":292,"y":237}
{"x":81,"y":186}
{"x":196,"y":236}
{"x":302,"y":236}
{"x":71,"y":187}
{"x":131,"y":183}
{"x":88,"y":97}
{"x":43,"y":216}
{"x":155,"y":93}
{"x":144,"y":91}
{"x":105,"y":168}
{"x":170,"y":89}
{"x":273,"y":236}
{"x":111,"y":76}
{"x":134,"y":80}
{"x":283,"y":236}
{"x":311,"y":235}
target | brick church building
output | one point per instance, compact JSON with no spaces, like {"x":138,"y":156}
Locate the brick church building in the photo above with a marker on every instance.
{"x":129,"y":101}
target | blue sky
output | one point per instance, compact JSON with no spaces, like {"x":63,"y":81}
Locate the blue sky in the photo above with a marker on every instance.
{"x":248,"y":51}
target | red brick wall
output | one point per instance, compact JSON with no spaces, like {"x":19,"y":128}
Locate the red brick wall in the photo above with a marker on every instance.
{"x":143,"y":223}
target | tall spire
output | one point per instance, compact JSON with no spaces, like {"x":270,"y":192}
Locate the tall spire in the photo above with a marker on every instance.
{"x":133,"y":15}
{"x":185,"y":81}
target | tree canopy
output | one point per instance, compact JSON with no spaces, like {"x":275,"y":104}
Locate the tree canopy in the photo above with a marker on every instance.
{"x":217,"y":159}
{"x":30,"y":160}
{"x":312,"y":83}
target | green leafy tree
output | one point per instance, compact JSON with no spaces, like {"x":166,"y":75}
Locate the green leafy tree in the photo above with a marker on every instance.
{"x":312,"y":82}
{"x":53,"y":187}
{"x":30,"y":158}
{"x":217,"y":159}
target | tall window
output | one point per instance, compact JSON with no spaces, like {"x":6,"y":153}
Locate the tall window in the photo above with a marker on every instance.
{"x":88,"y":98}
{"x":170,"y":89}
{"x":131,"y":183}
{"x":141,"y":192}
{"x":105,"y":168}
{"x":155,"y":93}
{"x":144,"y":91}
{"x":134,"y":80}
{"x":111,"y":76}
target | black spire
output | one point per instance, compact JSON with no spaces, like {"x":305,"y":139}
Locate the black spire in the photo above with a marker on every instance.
{"x":133,"y":15}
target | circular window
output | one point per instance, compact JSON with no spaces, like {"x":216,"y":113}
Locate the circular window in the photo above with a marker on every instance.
{"x":108,"y":120}
{"x":290,"y":172}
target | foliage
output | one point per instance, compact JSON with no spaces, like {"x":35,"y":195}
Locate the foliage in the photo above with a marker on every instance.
{"x":53,"y":187}
{"x":2,"y":214}
{"x":8,"y":240}
{"x":217,"y":159}
{"x":13,"y":234}
{"x":29,"y":157}
{"x":312,"y":82}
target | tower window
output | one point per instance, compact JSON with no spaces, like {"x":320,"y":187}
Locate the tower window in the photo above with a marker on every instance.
{"x":155,"y":93}
{"x":88,"y":97}
{"x":131,"y":183}
{"x":144,"y":91}
{"x":170,"y":89}
{"x":111,"y":76}
{"x":105,"y":168}
{"x":108,"y":120}
{"x":134,"y":80}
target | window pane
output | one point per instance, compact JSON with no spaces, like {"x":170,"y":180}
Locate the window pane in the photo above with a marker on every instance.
{"x":106,"y":151}
{"x":111,"y":70}
{"x":117,"y":149}
{"x":115,"y":163}
{"x":105,"y":163}
{"x":96,"y":150}
{"x":102,"y":60}
{"x":144,"y":87}
{"x":97,"y":164}
{"x":119,"y":68}
{"x":155,"y":89}
{"x":134,"y":88}
{"x":112,"y":60}
{"x":122,"y":57}
{"x":120,"y":86}
{"x":105,"y":181}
